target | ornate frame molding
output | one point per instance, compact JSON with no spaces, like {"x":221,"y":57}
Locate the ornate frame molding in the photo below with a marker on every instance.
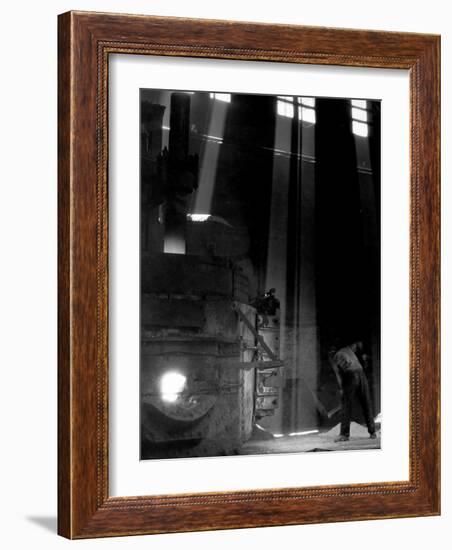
{"x":85,"y":42}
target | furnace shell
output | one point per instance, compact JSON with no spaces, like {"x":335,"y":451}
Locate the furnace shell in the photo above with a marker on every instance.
{"x":190,"y":327}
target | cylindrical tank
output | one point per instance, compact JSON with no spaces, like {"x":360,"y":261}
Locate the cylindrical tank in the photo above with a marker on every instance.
{"x":197,"y":399}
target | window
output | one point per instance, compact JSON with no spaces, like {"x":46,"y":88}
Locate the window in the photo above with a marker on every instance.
{"x":306,"y":108}
{"x":221,"y":97}
{"x":360,"y":117}
{"x":284,"y":106}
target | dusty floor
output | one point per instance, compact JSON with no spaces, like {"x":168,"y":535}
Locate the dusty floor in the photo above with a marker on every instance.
{"x":321,"y":441}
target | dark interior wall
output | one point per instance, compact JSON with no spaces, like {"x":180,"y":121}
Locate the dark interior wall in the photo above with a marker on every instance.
{"x":338,"y":227}
{"x":243,"y":188}
{"x":374,"y":247}
{"x":347,"y":236}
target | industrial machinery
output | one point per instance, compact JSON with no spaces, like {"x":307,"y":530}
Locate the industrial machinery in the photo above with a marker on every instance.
{"x":209,"y":364}
{"x":197,"y":391}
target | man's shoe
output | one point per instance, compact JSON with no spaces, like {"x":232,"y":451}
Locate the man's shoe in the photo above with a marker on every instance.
{"x":373,"y":436}
{"x":341,"y":438}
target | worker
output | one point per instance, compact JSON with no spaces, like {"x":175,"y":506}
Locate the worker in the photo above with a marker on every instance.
{"x":266,"y":304}
{"x":353,"y":383}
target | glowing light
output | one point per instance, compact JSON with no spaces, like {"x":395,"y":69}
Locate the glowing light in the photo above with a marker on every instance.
{"x":359,"y":117}
{"x":360,"y":128}
{"x":304,"y":433}
{"x":359,"y":114}
{"x":174,"y":244}
{"x":198,"y":217}
{"x":284,"y":108}
{"x":222,"y":97}
{"x":209,"y":157}
{"x":308,"y":101}
{"x":171,"y":385}
{"x":278,"y":435}
{"x":361,"y":103}
{"x":307,"y":114}
{"x":215,"y":139}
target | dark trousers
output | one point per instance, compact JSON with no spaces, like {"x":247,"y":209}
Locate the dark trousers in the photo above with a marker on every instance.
{"x":354,"y":384}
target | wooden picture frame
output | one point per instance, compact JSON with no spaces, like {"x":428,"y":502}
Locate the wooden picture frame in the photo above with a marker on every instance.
{"x":85,"y":508}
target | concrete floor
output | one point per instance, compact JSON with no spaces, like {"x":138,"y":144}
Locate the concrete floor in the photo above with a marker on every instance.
{"x":321,"y":441}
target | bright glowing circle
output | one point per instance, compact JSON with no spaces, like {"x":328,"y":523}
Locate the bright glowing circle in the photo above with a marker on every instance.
{"x":171,"y":384}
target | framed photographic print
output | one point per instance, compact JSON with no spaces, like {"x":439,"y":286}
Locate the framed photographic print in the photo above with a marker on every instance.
{"x":248,"y":275}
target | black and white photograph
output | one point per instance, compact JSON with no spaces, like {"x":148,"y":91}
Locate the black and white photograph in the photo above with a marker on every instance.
{"x":224,"y":236}
{"x":259,"y":274}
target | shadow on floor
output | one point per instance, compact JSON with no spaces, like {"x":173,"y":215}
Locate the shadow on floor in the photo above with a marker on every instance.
{"x":49,"y":523}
